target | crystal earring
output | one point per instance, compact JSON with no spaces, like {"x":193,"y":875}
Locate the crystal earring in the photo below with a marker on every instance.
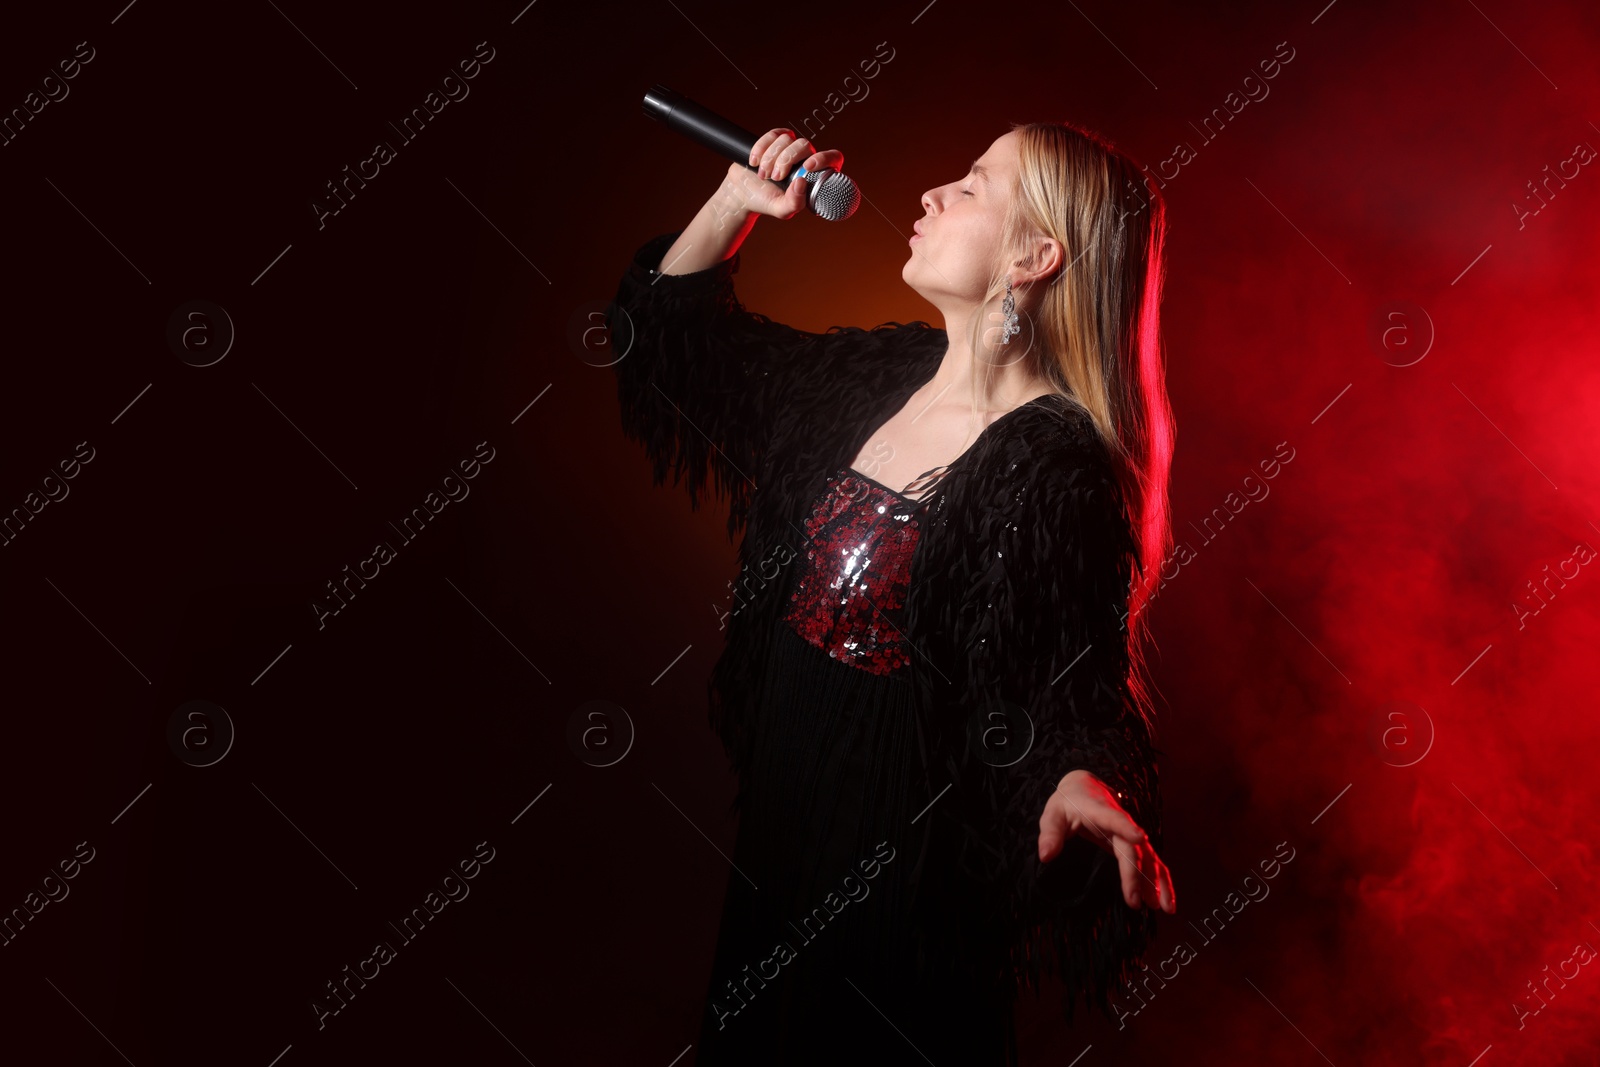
{"x":1008,"y":310}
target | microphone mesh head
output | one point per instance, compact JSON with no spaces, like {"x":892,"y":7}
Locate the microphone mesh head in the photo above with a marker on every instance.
{"x":833,"y":196}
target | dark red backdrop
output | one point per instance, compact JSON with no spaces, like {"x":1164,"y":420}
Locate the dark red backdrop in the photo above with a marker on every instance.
{"x":1364,"y":287}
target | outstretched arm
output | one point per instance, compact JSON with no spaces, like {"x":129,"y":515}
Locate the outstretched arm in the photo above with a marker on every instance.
{"x":1047,"y":640}
{"x":1064,"y":563}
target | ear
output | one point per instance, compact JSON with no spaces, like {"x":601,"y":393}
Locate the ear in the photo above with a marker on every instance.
{"x":1046,"y":257}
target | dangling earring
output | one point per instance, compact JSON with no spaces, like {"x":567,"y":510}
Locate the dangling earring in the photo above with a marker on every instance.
{"x":1008,"y":310}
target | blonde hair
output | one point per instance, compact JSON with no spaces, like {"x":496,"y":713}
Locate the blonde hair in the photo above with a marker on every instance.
{"x":1096,"y":325}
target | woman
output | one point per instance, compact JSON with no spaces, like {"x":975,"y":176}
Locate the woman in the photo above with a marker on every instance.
{"x":932,"y":696}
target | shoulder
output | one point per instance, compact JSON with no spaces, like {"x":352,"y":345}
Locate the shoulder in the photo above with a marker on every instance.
{"x":1040,"y":462}
{"x":1054,"y":443}
{"x":1060,"y":481}
{"x":885,"y":354}
{"x":847,"y":371}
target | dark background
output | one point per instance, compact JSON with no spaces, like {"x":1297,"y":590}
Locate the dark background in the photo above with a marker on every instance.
{"x":439,"y":309}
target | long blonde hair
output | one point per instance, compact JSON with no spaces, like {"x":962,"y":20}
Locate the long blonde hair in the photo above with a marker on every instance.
{"x":1096,"y":325}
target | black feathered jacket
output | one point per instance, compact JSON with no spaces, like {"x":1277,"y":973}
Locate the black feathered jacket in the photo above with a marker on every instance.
{"x":1019,"y":587}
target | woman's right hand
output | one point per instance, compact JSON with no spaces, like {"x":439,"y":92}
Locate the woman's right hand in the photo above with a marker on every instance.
{"x":777,"y":152}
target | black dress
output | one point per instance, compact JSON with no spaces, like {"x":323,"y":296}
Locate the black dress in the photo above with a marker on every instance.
{"x":1015,"y":615}
{"x":824,"y":954}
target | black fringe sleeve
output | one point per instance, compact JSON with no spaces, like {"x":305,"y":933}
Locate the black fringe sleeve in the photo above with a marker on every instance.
{"x":700,"y":379}
{"x":1057,"y":554}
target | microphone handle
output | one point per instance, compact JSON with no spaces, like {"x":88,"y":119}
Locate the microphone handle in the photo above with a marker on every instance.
{"x":707,"y":128}
{"x":831,"y":195}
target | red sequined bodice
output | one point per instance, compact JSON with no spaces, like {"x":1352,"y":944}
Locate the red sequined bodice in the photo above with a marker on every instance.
{"x":851,"y":594}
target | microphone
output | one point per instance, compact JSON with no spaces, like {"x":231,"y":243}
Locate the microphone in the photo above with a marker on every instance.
{"x":832,"y":195}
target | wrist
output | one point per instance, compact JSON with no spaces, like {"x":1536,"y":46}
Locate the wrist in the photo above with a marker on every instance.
{"x":729,"y":207}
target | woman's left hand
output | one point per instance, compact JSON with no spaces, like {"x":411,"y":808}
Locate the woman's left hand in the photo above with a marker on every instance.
{"x":1082,"y":804}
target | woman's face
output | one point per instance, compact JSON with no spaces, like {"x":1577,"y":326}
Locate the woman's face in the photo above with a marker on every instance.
{"x":959,"y":234}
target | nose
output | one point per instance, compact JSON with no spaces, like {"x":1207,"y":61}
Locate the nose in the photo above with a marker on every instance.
{"x":927,"y":201}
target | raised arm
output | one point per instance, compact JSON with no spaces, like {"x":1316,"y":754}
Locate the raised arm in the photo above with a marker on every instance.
{"x":700,"y":380}
{"x":725,"y":220}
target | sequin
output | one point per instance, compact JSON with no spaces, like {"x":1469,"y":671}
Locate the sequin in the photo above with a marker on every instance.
{"x":850,"y":598}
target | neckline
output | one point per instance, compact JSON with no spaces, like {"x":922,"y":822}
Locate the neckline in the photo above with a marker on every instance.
{"x":950,"y":467}
{"x":892,"y":492}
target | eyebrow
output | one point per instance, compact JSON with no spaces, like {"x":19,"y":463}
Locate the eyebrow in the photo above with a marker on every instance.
{"x":980,"y":170}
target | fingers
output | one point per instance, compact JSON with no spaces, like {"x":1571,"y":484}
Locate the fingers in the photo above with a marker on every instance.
{"x":827,"y":159}
{"x":1119,"y":822}
{"x":1103,"y":813}
{"x":1138,"y":887}
{"x":1052,"y":832}
{"x":1153,"y":881}
{"x":1158,"y":891}
{"x":769,"y":148}
{"x":1171,"y":890}
{"x":758,"y":151}
{"x":1145,"y":879}
{"x":1150,"y":878}
{"x":787,"y":153}
{"x":1128,"y":866}
{"x":777,"y":151}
